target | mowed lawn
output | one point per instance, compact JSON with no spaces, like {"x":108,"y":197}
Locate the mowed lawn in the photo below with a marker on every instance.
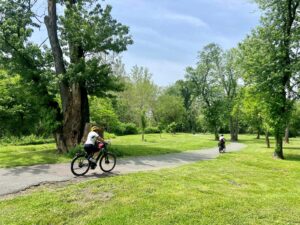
{"x":131,"y":145}
{"x":247,"y":187}
{"x":155,"y":144}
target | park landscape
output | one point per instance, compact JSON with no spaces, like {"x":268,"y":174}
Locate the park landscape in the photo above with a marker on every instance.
{"x":52,"y":90}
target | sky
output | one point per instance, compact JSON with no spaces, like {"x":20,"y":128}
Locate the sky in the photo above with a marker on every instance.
{"x":168,"y":34}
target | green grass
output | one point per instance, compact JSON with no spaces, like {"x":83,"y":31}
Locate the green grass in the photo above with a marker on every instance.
{"x":247,"y":187}
{"x":132,"y":145}
{"x":16,"y":155}
{"x":11,"y":156}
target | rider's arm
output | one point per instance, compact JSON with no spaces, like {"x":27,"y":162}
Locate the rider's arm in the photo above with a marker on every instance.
{"x":100,"y":139}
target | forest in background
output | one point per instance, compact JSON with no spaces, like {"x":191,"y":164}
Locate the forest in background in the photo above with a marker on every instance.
{"x":79,"y":78}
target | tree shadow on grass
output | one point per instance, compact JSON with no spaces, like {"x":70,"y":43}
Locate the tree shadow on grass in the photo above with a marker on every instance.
{"x":292,"y":154}
{"x":140,"y":150}
{"x":30,"y":158}
{"x":292,"y":157}
{"x":292,"y":148}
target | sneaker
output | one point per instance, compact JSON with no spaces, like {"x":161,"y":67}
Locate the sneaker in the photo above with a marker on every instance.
{"x":93,"y":166}
{"x":92,"y":160}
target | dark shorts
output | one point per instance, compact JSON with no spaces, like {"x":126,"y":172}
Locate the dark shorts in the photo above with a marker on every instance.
{"x":90,"y":149}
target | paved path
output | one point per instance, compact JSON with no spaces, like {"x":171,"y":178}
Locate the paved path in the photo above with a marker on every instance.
{"x":16,"y":179}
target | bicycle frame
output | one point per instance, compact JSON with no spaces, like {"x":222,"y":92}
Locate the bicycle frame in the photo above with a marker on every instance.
{"x":102,"y":150}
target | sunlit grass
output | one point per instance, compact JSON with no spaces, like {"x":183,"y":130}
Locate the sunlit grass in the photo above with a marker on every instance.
{"x":131,"y":145}
{"x":154,"y":144}
{"x":247,"y":187}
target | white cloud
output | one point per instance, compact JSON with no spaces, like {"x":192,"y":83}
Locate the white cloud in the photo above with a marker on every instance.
{"x":192,"y":20}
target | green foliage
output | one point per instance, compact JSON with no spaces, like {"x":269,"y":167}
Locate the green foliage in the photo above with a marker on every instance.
{"x":22,"y":113}
{"x":102,"y":112}
{"x":126,"y":129}
{"x":269,"y":60}
{"x":294,"y":127}
{"x":205,"y":79}
{"x":171,"y":128}
{"x":169,"y":109}
{"x":139,"y":95}
{"x":88,"y":34}
{"x":75,"y":150}
{"x":152,"y":130}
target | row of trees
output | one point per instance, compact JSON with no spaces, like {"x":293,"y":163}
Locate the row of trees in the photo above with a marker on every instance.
{"x":59,"y":87}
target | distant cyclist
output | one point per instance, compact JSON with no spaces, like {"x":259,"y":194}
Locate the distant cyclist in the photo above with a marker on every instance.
{"x":222,"y":144}
{"x":96,"y":134}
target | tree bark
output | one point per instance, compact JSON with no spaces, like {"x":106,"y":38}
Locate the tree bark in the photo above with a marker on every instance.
{"x":267,"y":139}
{"x":51,"y":25}
{"x":74,"y":97}
{"x":286,"y":136}
{"x":233,"y":123}
{"x":258,"y":134}
{"x":216,"y":134}
{"x":278,"y":153}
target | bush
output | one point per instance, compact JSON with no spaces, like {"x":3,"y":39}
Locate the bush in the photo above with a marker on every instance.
{"x":73,"y":151}
{"x":108,"y":135}
{"x":171,"y":128}
{"x":126,"y":128}
{"x":152,"y":130}
{"x":130,"y":128}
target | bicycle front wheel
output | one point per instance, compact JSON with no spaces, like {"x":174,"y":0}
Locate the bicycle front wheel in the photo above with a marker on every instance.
{"x":107,"y":162}
{"x":80,"y":165}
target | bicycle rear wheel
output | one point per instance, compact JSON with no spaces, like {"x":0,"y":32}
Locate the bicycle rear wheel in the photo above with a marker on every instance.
{"x":108,"y":162}
{"x":80,"y":165}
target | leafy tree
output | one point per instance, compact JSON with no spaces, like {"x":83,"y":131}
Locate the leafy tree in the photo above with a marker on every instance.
{"x":139,"y":95}
{"x":84,"y":33}
{"x":206,"y":86}
{"x":229,"y":75}
{"x":102,"y":112}
{"x":169,"y":109}
{"x":270,"y":62}
{"x":21,"y":112}
{"x":184,"y":90}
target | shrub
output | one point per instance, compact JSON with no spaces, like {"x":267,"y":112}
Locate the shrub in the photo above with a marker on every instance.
{"x":73,"y":151}
{"x":130,"y":128}
{"x":171,"y":128}
{"x":152,"y":130}
{"x":126,"y":128}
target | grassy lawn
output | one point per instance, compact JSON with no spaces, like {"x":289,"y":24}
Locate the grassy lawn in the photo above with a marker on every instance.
{"x":24,"y":155}
{"x":132,"y":145}
{"x":21,"y":155}
{"x":247,"y":187}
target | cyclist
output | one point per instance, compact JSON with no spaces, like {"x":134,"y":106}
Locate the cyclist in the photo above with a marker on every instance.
{"x":96,"y":134}
{"x":221,"y":143}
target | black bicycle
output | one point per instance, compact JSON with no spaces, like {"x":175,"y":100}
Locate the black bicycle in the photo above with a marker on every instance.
{"x":80,"y":164}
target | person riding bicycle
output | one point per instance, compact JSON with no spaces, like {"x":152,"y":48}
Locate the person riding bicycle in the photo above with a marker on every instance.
{"x":221,"y":142}
{"x":96,"y":134}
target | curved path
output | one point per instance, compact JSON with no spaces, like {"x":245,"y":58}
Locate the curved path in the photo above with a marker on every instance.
{"x":13,"y":180}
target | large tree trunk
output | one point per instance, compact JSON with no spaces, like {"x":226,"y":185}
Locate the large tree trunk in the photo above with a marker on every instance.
{"x":73,"y":96}
{"x":216,"y":133}
{"x":234,"y":128}
{"x":279,"y":145}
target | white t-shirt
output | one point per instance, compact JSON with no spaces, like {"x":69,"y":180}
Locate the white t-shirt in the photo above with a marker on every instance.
{"x":91,"y":138}
{"x":221,"y":138}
